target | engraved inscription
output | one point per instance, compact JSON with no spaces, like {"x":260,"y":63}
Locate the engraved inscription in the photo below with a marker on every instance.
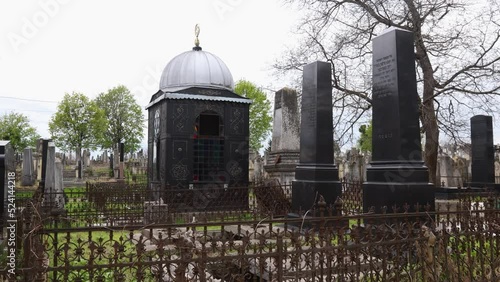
{"x":384,"y":76}
{"x":309,"y":114}
{"x":386,"y":135}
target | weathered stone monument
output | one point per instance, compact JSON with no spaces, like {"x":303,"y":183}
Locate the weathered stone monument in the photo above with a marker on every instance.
{"x":53,"y":191}
{"x":285,"y":145}
{"x":448,"y":172}
{"x":482,"y":152}
{"x":396,"y":175}
{"x":354,"y":166}
{"x":28,"y":177}
{"x":316,"y":175}
{"x":37,"y":156}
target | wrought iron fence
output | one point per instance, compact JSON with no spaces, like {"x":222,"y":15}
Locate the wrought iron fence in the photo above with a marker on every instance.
{"x":457,"y":242}
{"x":415,"y":247}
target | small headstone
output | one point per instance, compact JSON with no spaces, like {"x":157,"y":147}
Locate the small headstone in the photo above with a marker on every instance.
{"x":316,"y":175}
{"x":28,"y":170}
{"x":397,"y":174}
{"x":50,"y":180}
{"x":44,"y":143}
{"x":111,"y":164}
{"x":121,"y":148}
{"x":85,"y":159}
{"x":54,"y":188}
{"x":58,"y":184}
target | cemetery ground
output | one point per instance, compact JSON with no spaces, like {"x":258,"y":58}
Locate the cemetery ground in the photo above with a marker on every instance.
{"x":107,"y":232}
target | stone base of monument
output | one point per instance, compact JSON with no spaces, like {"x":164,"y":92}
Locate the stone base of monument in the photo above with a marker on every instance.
{"x":483,"y":185}
{"x":313,"y":181}
{"x":281,"y":165}
{"x":306,"y":193}
{"x":452,"y":193}
{"x":390,"y":194}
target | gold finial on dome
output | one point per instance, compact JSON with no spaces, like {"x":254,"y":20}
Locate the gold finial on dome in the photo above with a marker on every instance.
{"x":197,"y":33}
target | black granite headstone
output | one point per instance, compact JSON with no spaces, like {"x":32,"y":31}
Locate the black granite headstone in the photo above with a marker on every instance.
{"x":45,"y":147}
{"x":483,"y":152}
{"x":397,"y":175}
{"x":316,"y":173}
{"x":111,"y":165}
{"x":121,"y":147}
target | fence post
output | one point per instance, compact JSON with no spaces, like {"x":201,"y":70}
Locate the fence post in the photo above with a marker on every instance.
{"x":279,"y":257}
{"x":338,"y":205}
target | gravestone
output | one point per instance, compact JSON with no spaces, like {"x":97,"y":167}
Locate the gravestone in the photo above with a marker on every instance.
{"x":316,"y":174}
{"x":396,"y":175}
{"x":53,"y":192}
{"x":122,"y":159}
{"x":44,"y":143}
{"x":482,"y":151}
{"x":53,"y":179}
{"x":285,"y":145}
{"x":111,"y":164}
{"x":448,"y":173}
{"x":50,"y":180}
{"x":7,"y":167}
{"x":37,"y":155}
{"x":28,"y":170}
{"x":354,"y":165}
{"x":59,"y":184}
{"x":86,"y":159}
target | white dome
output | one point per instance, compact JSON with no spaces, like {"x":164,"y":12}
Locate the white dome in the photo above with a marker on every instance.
{"x":196,"y":68}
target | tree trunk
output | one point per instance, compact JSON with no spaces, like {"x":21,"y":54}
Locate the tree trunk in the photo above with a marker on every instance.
{"x":78,"y":152}
{"x":428,"y":112}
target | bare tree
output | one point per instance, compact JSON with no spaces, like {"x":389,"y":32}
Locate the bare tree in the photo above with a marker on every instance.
{"x":457,"y":58}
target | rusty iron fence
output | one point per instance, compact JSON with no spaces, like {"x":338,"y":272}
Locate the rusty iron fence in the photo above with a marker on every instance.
{"x":457,"y":242}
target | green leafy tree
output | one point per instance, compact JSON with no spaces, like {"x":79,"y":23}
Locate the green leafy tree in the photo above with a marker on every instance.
{"x":260,"y":119}
{"x":16,"y":128}
{"x":125,"y":119}
{"x":365,"y":140}
{"x":78,"y":123}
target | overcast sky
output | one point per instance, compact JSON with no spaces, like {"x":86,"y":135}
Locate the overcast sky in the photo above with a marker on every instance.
{"x":52,"y":47}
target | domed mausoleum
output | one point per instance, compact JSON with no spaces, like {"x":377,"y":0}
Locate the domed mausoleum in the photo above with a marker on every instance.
{"x":198,"y":135}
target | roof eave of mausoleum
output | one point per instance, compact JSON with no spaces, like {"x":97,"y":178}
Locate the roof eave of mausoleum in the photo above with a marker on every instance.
{"x":190,"y":96}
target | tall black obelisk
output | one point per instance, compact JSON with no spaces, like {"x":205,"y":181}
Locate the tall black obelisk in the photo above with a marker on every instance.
{"x":397,"y":175}
{"x":316,"y":174}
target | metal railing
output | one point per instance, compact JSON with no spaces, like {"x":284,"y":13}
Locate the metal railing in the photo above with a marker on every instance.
{"x":457,"y":242}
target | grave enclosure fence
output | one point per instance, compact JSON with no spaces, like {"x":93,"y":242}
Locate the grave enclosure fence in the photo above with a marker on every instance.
{"x":459,"y":242}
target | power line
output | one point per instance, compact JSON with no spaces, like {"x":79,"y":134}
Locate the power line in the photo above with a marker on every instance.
{"x":26,"y":110}
{"x":29,"y":100}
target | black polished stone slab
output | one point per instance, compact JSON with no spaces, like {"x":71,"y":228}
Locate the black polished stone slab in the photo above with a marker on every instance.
{"x":483,"y":152}
{"x":316,"y":173}
{"x":397,"y":174}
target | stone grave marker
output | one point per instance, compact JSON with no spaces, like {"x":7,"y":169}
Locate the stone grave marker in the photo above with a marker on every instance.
{"x":28,"y":177}
{"x":285,"y":145}
{"x":397,"y":174}
{"x":482,"y":151}
{"x":316,"y":175}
